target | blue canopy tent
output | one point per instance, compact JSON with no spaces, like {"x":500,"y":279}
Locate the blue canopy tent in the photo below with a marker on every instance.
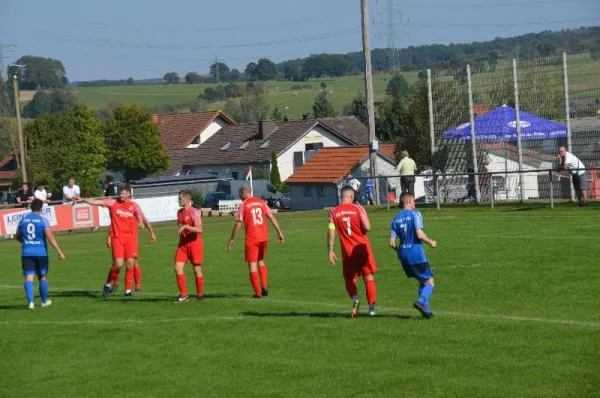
{"x":500,"y":125}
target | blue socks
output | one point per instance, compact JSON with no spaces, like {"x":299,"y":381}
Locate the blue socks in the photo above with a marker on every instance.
{"x":43,"y":290}
{"x":424,"y":293}
{"x":29,"y":291}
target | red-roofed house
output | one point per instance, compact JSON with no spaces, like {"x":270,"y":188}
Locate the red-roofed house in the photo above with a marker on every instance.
{"x":189,"y":130}
{"x":317,"y":183}
{"x":8,"y":170}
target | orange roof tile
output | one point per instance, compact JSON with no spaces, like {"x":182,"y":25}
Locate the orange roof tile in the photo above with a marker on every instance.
{"x":5,"y":175}
{"x":330,"y":165}
{"x":177,"y":130}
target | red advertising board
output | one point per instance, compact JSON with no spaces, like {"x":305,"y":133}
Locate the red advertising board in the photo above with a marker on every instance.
{"x":61,"y":217}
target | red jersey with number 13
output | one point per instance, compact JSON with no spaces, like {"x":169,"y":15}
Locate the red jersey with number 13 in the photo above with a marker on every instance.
{"x":253,"y":212}
{"x":349,"y":220}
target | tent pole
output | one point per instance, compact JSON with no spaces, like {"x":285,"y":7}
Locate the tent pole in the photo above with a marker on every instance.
{"x":473,"y":143}
{"x":518,"y":121}
{"x":568,"y":115}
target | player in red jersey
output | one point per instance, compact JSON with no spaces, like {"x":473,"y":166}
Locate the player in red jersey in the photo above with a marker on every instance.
{"x":352,"y":225}
{"x":125,"y":216}
{"x":252,"y":213}
{"x":190,"y":247}
{"x":137,"y":270}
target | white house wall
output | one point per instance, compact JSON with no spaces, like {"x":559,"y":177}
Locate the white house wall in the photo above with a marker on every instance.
{"x":285,"y":160}
{"x":212,"y":129}
{"x":512,"y":191}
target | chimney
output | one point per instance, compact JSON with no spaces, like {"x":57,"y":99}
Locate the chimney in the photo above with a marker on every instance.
{"x":306,"y":116}
{"x":265,"y":128}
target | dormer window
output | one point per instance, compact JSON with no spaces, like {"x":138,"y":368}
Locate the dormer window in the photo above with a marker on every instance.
{"x":265,"y":144}
{"x":226,"y":146}
{"x":245,"y":145}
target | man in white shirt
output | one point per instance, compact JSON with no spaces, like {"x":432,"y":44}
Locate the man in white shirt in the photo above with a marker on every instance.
{"x":71,"y":192}
{"x":355,"y":184}
{"x":568,"y":161}
{"x":407,"y":168}
{"x":41,"y":194}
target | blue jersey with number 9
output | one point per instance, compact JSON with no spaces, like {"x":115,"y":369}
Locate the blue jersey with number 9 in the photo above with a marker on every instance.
{"x":32,"y":229}
{"x":405,"y":226}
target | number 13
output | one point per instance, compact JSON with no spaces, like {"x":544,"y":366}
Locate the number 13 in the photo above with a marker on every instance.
{"x":257,"y":216}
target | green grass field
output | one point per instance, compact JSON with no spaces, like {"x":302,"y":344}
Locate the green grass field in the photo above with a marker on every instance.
{"x":516,"y":305}
{"x":278,"y":93}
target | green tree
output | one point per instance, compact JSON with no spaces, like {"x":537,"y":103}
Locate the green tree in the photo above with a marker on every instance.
{"x":235,"y":75}
{"x":249,"y":71}
{"x":69,"y":144}
{"x":193,"y":78}
{"x":130,"y":82}
{"x":358,"y":108}
{"x":56,"y":100}
{"x":265,"y":70}
{"x":322,"y":107}
{"x":254,"y":108}
{"x":275,"y":176}
{"x":41,"y":73}
{"x":277,"y":115}
{"x":323,"y":85}
{"x":493,"y":58}
{"x":220,"y":72}
{"x":198,"y":105}
{"x":399,"y":88}
{"x":171,"y":78}
{"x":134,"y":143}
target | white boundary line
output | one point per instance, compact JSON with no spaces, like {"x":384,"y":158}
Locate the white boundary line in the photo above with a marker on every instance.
{"x":386,"y":310}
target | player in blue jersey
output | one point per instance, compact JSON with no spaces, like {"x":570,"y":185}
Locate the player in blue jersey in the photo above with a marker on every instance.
{"x":33,"y":231}
{"x":407,"y":227}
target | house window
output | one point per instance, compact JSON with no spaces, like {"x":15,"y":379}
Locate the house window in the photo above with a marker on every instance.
{"x":307,"y":191}
{"x":226,"y":146}
{"x":313,"y":147}
{"x":234,"y":175}
{"x":245,"y":145}
{"x":265,"y":144}
{"x":298,"y":159}
{"x":321,"y":191}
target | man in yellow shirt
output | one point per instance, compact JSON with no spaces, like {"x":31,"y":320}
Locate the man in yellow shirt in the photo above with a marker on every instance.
{"x":407,"y":168}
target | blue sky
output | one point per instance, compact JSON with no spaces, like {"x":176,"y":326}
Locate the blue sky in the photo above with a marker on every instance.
{"x":146,"y":38}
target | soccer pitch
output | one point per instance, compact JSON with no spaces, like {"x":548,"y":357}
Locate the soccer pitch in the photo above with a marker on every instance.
{"x":516,"y":305}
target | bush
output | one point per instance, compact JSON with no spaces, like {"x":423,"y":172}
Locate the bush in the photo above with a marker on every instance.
{"x":197,"y":198}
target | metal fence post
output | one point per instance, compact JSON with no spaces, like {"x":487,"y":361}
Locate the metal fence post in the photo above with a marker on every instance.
{"x":492,"y":190}
{"x":431,"y":126}
{"x":387,"y":194}
{"x":473,"y":143}
{"x":518,"y":121}
{"x":551,"y":190}
{"x":437,"y":192}
{"x":568,"y":114}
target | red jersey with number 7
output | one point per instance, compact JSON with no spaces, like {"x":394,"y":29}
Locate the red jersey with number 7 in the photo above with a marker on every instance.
{"x":349,"y":220}
{"x":253,"y":212}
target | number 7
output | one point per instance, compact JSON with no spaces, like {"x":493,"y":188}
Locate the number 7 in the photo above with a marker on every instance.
{"x":347,"y":220}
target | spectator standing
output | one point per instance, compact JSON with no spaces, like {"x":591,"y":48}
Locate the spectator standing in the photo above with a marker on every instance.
{"x":579,"y":177}
{"x":71,"y":192}
{"x":355,"y":184}
{"x":407,"y":168}
{"x":41,"y":194}
{"x":369,"y":189}
{"x":24,"y":196}
{"x":111,"y":188}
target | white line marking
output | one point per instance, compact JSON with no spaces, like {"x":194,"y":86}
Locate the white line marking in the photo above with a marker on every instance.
{"x":387,"y":310}
{"x":543,"y":237}
{"x":466,"y":265}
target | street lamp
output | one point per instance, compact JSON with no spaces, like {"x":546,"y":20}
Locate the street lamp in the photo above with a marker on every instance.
{"x":18,"y":113}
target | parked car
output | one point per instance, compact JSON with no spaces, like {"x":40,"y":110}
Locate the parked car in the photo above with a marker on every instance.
{"x":277,"y":200}
{"x":212,"y":199}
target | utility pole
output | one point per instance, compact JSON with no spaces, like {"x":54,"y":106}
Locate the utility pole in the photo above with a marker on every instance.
{"x":373,"y":144}
{"x":18,"y":113}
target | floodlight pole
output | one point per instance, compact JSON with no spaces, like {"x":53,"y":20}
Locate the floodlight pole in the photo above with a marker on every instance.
{"x":19,"y":126}
{"x":373,"y":143}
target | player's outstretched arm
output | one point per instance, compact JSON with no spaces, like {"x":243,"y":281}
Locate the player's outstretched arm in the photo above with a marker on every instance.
{"x":90,"y":201}
{"x":424,"y":238}
{"x":236,"y":228}
{"x":276,"y":225}
{"x":50,"y":237}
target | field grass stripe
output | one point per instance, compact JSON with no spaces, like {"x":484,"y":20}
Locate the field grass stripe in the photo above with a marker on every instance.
{"x":125,"y":321}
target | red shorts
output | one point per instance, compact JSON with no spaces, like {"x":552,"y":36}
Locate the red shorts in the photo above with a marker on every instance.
{"x":192,"y":252}
{"x":124,"y":248}
{"x":256,"y":252}
{"x":360,"y":265}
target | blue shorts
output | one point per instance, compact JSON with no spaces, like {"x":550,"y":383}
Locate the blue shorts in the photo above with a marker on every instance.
{"x":422,"y":271}
{"x":35,"y":265}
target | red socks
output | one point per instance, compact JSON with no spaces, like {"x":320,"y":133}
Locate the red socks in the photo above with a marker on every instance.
{"x":351,"y":287}
{"x":113,"y":275}
{"x":128,"y":279}
{"x":255,"y":280}
{"x":200,"y":285}
{"x":371,"y":291}
{"x":181,"y":283}
{"x":137,"y":275}
{"x":262,"y":270}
